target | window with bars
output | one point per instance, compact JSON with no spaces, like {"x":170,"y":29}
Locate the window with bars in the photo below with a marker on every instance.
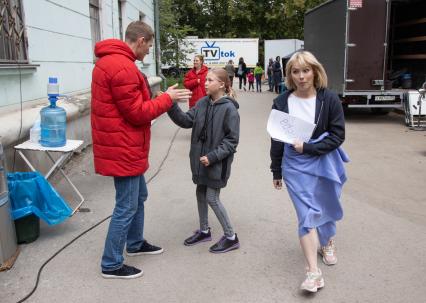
{"x":13,"y":44}
{"x":95,"y":26}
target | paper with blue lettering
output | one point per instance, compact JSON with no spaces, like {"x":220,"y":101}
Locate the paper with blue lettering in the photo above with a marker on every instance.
{"x":287,"y":128}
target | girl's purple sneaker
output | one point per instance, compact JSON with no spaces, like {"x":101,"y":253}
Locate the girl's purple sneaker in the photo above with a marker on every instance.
{"x":225,"y":245}
{"x":198,"y":237}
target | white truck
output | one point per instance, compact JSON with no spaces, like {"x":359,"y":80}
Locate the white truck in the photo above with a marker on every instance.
{"x":280,"y":47}
{"x":217,"y":52}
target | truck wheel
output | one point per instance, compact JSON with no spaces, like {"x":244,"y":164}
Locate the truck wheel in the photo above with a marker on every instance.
{"x":380,"y":111}
{"x":174,"y":72}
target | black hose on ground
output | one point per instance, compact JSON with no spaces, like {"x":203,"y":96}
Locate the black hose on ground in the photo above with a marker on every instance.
{"x":94,"y":226}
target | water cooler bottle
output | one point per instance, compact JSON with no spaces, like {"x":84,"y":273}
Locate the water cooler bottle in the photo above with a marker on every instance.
{"x":53,"y":119}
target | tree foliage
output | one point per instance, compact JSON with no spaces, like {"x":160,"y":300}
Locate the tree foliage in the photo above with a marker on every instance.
{"x":263,"y":19}
{"x":172,"y":34}
{"x":267,"y":19}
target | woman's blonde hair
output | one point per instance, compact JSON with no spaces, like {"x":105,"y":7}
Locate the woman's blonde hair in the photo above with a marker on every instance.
{"x":305,"y":58}
{"x":222,"y":75}
{"x":201,"y":57}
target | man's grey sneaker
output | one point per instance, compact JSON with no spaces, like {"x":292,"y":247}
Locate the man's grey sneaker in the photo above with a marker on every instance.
{"x":225,"y":245}
{"x":146,"y":249}
{"x":124,"y":272}
{"x":198,"y":237}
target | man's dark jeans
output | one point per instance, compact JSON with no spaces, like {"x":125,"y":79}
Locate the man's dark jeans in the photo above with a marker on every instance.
{"x":127,"y":221}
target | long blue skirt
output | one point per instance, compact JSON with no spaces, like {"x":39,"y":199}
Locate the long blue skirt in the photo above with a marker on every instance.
{"x":314,"y":184}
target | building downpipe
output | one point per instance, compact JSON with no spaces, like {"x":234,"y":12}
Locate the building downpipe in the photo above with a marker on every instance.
{"x":157,"y":44}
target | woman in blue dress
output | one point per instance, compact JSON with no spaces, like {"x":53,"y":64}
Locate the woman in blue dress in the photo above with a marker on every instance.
{"x":313,"y":171}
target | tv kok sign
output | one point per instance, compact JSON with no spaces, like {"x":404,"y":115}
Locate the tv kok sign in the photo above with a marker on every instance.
{"x":212,"y":52}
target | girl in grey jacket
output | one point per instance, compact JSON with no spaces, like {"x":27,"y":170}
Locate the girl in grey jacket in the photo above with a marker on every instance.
{"x":215,"y":124}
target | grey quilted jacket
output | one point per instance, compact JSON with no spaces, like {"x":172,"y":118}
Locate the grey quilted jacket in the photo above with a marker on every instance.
{"x":215,"y":134}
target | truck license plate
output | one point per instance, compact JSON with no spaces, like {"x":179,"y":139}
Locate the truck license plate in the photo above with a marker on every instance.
{"x":384,"y":98}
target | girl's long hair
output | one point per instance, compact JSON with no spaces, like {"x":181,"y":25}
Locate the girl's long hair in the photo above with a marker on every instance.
{"x":222,"y":75}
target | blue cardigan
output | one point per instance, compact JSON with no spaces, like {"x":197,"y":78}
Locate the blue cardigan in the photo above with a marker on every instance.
{"x":329,"y":118}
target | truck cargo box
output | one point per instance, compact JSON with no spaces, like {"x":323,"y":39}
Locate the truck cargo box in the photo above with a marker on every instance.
{"x":372,"y":50}
{"x":281,"y":48}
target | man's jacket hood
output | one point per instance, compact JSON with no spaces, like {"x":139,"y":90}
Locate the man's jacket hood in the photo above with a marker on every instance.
{"x":113,"y":46}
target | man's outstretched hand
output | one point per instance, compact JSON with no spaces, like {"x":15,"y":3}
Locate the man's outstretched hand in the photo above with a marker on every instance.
{"x":178,"y":94}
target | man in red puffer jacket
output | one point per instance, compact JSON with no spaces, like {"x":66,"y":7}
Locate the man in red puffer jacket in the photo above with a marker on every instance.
{"x":121,"y":120}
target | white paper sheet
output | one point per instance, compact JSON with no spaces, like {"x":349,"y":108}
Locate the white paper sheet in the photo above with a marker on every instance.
{"x":287,"y":128}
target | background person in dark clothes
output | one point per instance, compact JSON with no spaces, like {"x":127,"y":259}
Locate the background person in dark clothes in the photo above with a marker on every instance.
{"x":230,"y":69}
{"x":277,"y":74}
{"x":242,"y":73}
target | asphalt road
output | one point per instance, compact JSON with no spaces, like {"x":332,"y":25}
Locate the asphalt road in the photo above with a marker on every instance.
{"x":381,"y":243}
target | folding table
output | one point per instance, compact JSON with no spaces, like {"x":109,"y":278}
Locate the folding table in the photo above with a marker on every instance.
{"x":66,"y":151}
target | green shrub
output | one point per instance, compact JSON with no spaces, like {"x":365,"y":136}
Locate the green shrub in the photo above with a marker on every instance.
{"x":171,"y":81}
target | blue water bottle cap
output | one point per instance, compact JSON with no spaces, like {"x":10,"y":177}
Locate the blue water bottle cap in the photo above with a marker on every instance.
{"x":53,"y":80}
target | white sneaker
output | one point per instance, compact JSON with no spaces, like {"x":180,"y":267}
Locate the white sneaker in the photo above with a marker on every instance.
{"x":313,"y":281}
{"x":328,"y":253}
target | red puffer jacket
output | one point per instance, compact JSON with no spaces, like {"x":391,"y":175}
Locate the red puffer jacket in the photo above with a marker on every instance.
{"x":191,"y":82}
{"x":121,"y":111}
